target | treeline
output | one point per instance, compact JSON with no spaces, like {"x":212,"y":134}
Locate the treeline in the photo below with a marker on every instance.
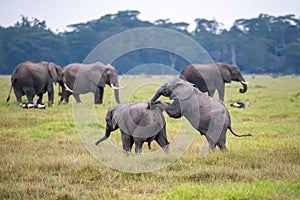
{"x":266,"y":44}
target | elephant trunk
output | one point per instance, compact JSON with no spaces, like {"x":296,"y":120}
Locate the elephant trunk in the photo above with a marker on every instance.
{"x":244,"y":89}
{"x":116,"y":92}
{"x":101,"y":139}
{"x":114,"y":84}
{"x":157,"y":95}
{"x":107,"y":134}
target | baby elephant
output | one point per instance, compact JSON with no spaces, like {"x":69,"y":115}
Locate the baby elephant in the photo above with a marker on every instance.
{"x":138,"y":124}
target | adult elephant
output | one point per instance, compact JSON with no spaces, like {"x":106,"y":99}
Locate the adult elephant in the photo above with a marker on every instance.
{"x":211,"y":77}
{"x":32,"y":79}
{"x":206,"y":114}
{"x":138,"y":124}
{"x":89,"y":78}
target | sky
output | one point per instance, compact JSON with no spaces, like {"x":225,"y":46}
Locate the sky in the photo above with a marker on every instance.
{"x":60,"y":13}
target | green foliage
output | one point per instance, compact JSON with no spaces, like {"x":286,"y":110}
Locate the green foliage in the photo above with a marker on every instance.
{"x":266,"y":44}
{"x":30,"y":40}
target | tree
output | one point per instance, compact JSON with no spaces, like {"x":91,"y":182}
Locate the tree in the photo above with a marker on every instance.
{"x":30,"y":40}
{"x":262,"y":44}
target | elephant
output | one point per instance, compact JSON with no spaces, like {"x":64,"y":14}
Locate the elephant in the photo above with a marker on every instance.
{"x":138,"y":124}
{"x":211,"y":77}
{"x":32,"y":79}
{"x":89,"y":78}
{"x":206,"y":114}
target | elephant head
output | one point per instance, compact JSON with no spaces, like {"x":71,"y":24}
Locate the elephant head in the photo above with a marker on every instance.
{"x":232,"y":73}
{"x":55,"y":71}
{"x":111,"y":125}
{"x":176,"y":89}
{"x":108,"y":76}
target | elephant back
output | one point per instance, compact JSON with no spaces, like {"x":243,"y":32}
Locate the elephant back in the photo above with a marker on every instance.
{"x":139,"y":121}
{"x":33,"y":74}
{"x":204,"y":76}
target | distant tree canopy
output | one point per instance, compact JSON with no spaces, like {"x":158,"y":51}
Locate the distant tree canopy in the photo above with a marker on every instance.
{"x":266,"y":44}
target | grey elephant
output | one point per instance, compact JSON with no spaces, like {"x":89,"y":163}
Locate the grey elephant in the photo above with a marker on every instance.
{"x":211,"y":77}
{"x":206,"y":114}
{"x":89,"y":78}
{"x":32,"y":79}
{"x":138,"y":124}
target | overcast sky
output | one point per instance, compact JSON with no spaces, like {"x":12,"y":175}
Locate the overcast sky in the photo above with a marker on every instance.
{"x":60,"y":13}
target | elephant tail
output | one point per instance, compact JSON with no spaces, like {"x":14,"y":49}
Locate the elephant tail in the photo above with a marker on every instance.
{"x":8,"y":97}
{"x":233,"y":133}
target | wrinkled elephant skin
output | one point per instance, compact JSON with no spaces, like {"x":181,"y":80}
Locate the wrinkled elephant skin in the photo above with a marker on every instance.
{"x":138,"y":124}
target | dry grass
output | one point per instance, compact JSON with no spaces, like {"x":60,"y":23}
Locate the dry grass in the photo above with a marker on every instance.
{"x":43,"y":157}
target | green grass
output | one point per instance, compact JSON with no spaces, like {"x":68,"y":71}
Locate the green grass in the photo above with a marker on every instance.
{"x":43,"y":157}
{"x":254,"y":190}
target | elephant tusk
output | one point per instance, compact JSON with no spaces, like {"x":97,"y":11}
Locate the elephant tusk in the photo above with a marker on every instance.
{"x":114,"y":87}
{"x":243,"y":82}
{"x":67,"y":88}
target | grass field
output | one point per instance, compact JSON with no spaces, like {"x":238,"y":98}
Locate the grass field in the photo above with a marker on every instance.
{"x":43,"y":157}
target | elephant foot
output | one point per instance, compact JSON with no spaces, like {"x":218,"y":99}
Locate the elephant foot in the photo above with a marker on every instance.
{"x":222,"y":147}
{"x":127,"y":153}
{"x":166,"y":148}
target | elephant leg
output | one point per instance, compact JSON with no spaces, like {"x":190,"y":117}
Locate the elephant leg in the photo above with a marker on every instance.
{"x":67,"y":96}
{"x":222,"y":146}
{"x":63,"y":95}
{"x":211,"y":142}
{"x":40,"y":99}
{"x":221,"y":142}
{"x":162,"y":140}
{"x":127,"y":142}
{"x":18,"y":95}
{"x":173,"y":110}
{"x":221,"y":94}
{"x":50,"y":97}
{"x":138,"y":145}
{"x":211,"y":92}
{"x":217,"y":127}
{"x":99,"y":95}
{"x":30,"y":95}
{"x":76,"y":96}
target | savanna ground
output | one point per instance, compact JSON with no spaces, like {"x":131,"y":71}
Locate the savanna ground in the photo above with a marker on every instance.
{"x":43,"y":157}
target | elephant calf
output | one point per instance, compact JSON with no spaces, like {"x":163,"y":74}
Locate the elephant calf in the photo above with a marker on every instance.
{"x":138,"y":124}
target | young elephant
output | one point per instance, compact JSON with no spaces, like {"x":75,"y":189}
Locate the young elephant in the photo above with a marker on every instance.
{"x":138,"y":124}
{"x":209,"y":116}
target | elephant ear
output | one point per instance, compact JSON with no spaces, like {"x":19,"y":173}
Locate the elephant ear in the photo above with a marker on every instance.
{"x":98,"y":74}
{"x":225,"y":72}
{"x":111,"y":119}
{"x":53,"y":71}
{"x":182,"y":89}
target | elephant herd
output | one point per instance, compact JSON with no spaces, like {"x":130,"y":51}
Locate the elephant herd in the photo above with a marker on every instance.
{"x":139,"y":122}
{"x":32,"y":79}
